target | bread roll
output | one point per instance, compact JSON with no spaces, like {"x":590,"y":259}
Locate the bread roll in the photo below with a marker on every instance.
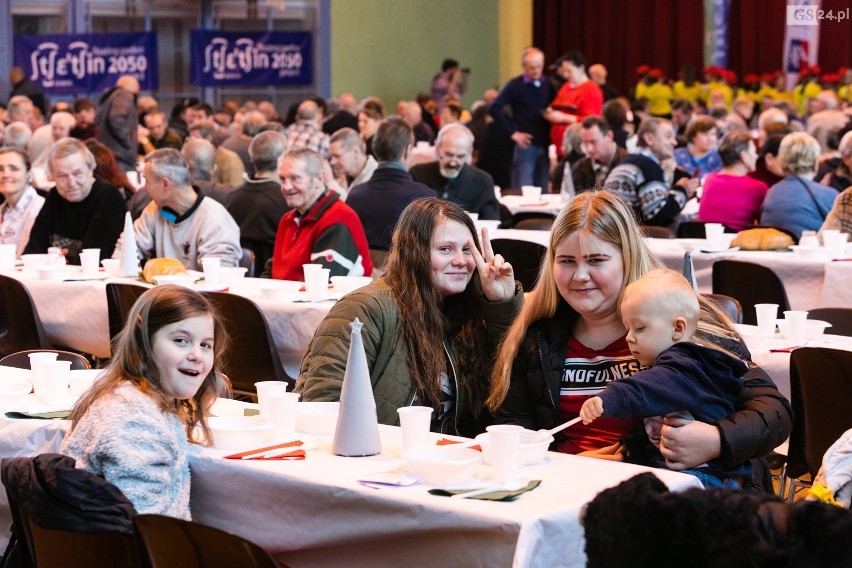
{"x":762,"y":239}
{"x":162,"y":267}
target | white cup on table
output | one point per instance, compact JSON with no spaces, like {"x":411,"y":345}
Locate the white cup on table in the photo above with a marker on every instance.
{"x":282,"y":412}
{"x":316,"y":283}
{"x":264,"y":390}
{"x":713,"y":233}
{"x":835,"y":241}
{"x":89,"y":260}
{"x":56,"y":381}
{"x":766,"y":316}
{"x":505,"y":442}
{"x":7,"y":257}
{"x":211,"y":267}
{"x":112,"y":266}
{"x":796,"y":324}
{"x":415,"y":422}
{"x":37,"y":361}
{"x":531,"y":193}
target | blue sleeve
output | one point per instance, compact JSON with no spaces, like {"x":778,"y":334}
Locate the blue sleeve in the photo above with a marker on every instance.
{"x":505,"y":97}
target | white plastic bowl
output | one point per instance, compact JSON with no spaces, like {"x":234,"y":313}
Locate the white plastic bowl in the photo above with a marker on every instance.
{"x":54,"y":273}
{"x":177,"y":279}
{"x":239,"y":432}
{"x":441,"y":465}
{"x":280,"y":290}
{"x":345,"y":284}
{"x":317,"y":417}
{"x":33,"y":261}
{"x":813,"y":328}
{"x":232,"y":274}
{"x":532,"y":450}
{"x":811,"y":253}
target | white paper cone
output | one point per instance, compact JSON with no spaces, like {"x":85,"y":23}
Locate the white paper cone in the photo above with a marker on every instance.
{"x":129,"y":251}
{"x":357,"y":432}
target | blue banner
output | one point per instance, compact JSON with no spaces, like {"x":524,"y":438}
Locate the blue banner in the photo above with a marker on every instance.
{"x":87,"y":63}
{"x":250,"y":58}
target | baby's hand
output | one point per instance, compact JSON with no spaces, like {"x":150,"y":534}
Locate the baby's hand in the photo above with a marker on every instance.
{"x":592,"y":408}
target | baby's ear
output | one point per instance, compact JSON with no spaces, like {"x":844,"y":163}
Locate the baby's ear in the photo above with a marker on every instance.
{"x":679,"y":326}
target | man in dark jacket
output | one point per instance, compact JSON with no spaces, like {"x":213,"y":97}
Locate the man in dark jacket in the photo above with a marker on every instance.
{"x":117,"y":121}
{"x":379,"y":202}
{"x":454,"y":179}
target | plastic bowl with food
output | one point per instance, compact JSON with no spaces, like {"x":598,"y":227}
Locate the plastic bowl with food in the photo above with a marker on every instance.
{"x":34,"y":261}
{"x":533,"y":447}
{"x":239,"y":432}
{"x":345,"y":284}
{"x":317,"y":417}
{"x":441,"y":465}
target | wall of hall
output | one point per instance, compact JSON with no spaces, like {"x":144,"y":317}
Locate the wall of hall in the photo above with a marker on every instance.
{"x":393,"y":48}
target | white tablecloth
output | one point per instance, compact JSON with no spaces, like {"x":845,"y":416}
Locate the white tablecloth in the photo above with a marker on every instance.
{"x":74,"y":314}
{"x":550,"y":203}
{"x":311,"y":513}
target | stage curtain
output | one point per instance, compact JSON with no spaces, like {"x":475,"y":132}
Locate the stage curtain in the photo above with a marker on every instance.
{"x":623,"y":34}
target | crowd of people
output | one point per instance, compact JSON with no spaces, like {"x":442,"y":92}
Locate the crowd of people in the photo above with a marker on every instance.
{"x":445,"y":323}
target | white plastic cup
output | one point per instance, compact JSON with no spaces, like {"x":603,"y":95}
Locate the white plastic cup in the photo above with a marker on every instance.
{"x":37,"y":360}
{"x":211,"y":268}
{"x":316,"y":283}
{"x":89,"y":262}
{"x":112,"y":266}
{"x":505,"y":442}
{"x":282,"y":412}
{"x":7,"y":257}
{"x":713,"y":233}
{"x":835,"y":242}
{"x":56,"y":381}
{"x":809,"y":239}
{"x":310,"y":267}
{"x":415,"y":422}
{"x":264,"y":389}
{"x":766,"y":316}
{"x":796,"y":325}
{"x":531,"y":193}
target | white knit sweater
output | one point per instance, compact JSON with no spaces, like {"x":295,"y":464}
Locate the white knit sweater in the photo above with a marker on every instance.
{"x":126,"y":438}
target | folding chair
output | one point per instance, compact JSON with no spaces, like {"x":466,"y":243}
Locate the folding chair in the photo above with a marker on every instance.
{"x":120,"y":298}
{"x":653,"y":232}
{"x":165,"y":542}
{"x":749,"y":284}
{"x":20,"y":325}
{"x":821,"y":397}
{"x":524,"y":256}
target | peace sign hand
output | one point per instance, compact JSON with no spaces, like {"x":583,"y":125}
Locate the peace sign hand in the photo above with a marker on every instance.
{"x":495,"y":274}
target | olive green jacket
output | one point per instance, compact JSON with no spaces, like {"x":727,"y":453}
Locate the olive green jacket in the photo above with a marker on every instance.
{"x":323,"y":366}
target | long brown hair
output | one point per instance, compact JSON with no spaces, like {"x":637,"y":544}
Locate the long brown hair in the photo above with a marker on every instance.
{"x":429,"y":319}
{"x":133,"y":357}
{"x":107,"y":167}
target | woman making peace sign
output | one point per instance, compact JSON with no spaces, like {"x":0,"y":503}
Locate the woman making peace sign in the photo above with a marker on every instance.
{"x":430,"y":329}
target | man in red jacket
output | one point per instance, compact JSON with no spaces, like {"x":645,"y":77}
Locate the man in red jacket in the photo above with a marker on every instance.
{"x":320,"y":229}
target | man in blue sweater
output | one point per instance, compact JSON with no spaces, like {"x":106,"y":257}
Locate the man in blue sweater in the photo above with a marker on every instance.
{"x":519,"y":110}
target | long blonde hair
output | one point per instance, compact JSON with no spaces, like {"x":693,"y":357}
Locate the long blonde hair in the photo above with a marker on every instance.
{"x":133,"y":357}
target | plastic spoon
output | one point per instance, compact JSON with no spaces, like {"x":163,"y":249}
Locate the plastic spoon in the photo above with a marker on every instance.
{"x":542,"y":434}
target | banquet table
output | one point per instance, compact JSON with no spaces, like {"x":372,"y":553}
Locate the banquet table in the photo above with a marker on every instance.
{"x":315,"y":513}
{"x":810,"y":283}
{"x":74,"y":314}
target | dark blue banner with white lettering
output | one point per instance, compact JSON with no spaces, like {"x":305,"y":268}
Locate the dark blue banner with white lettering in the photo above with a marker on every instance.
{"x":250,"y":58}
{"x":87,"y":63}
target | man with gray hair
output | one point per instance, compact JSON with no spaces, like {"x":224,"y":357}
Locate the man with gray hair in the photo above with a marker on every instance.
{"x":350,"y":164}
{"x":454,"y":179}
{"x":60,"y":126}
{"x":17,"y":135}
{"x":306,"y":132}
{"x":21,"y":108}
{"x":239,"y":143}
{"x":81,"y":211}
{"x":181,"y":222}
{"x":258,"y":204}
